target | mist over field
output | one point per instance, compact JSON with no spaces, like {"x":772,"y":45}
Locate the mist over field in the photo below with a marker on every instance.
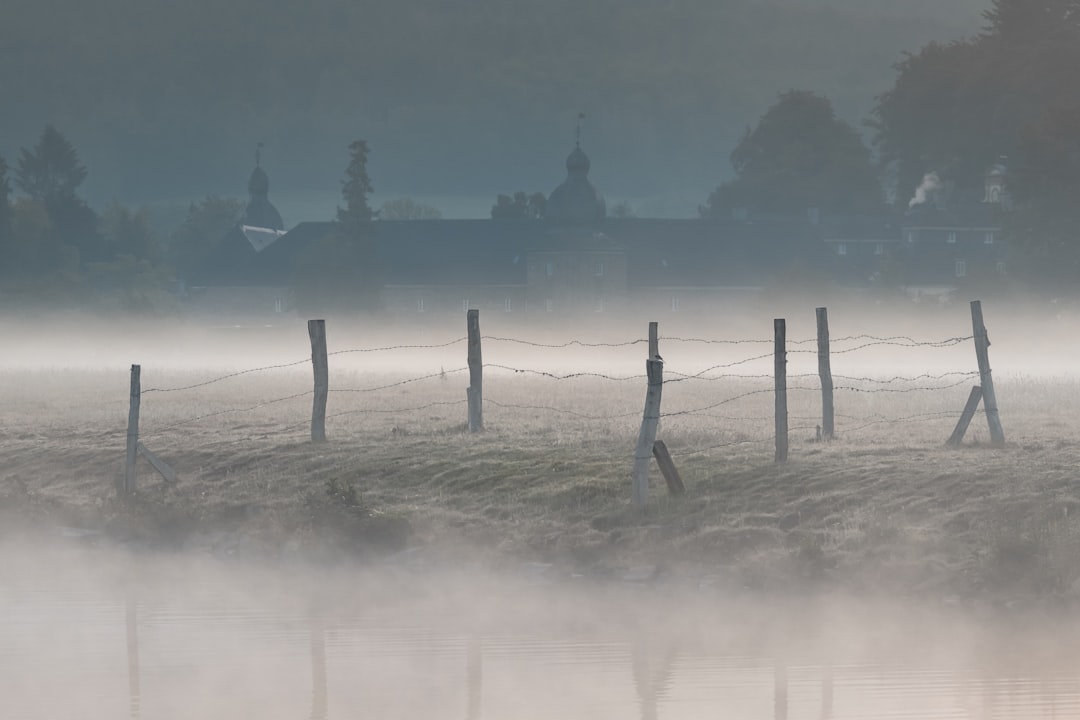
{"x":546,"y":517}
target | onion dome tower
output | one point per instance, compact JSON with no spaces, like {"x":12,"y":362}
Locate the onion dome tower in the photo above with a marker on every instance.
{"x":260,"y":212}
{"x":576,"y":201}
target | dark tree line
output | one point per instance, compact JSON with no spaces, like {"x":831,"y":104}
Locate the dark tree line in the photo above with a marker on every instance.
{"x":1009,"y":92}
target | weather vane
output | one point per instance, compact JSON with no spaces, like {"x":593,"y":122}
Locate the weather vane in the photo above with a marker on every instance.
{"x":258,"y":153}
{"x":577,"y":132}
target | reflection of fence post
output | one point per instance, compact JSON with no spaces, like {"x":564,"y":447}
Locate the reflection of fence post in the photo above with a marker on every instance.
{"x":475,"y":392}
{"x":780,"y":375}
{"x":647,"y":435}
{"x":134,"y":691}
{"x":965,"y":417}
{"x":982,"y":342}
{"x":128,"y":486}
{"x":317,"y":333}
{"x":780,"y":691}
{"x":474,"y":678}
{"x":825,"y":373}
{"x":319,"y":694}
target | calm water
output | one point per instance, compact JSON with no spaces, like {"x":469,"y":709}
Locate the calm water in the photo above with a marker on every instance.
{"x":87,"y":636}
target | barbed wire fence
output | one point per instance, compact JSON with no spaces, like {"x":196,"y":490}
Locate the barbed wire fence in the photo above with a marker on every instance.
{"x":709,"y":410}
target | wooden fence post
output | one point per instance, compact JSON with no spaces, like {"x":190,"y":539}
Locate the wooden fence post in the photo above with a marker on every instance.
{"x":982,"y":342}
{"x":667,"y":467}
{"x":654,"y":341}
{"x":825,"y":373}
{"x":780,"y":375}
{"x":317,"y":333}
{"x":965,"y":417}
{"x":475,"y":392}
{"x":647,"y":435}
{"x":128,"y":486}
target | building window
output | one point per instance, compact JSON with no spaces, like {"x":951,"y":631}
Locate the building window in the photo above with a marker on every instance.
{"x":508,"y":305}
{"x":912,"y":235}
{"x":951,"y":238}
{"x":549,"y":305}
{"x":549,"y":269}
{"x":841,"y":249}
{"x":961,"y":269}
{"x":599,"y":307}
{"x":279,"y":305}
{"x":420,"y":305}
{"x":599,"y":269}
{"x":989,"y":238}
{"x":674,"y":303}
{"x":879,"y":249}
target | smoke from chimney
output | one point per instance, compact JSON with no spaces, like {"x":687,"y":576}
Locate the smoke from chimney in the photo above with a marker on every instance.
{"x":929,"y":184}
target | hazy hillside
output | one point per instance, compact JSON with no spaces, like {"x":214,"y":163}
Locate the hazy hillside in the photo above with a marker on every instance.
{"x":457,"y":99}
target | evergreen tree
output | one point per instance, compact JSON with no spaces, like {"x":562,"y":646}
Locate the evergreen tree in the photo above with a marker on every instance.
{"x":355,"y":188}
{"x":51,"y":173}
{"x":7,"y":238}
{"x":340,"y":272}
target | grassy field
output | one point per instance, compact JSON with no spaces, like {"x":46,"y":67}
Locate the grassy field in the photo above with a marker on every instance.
{"x":883,"y":508}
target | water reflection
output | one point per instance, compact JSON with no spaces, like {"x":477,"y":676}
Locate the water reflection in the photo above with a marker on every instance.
{"x":317,"y":631}
{"x":217,"y":653}
{"x":780,"y":691}
{"x":473,"y":677}
{"x":132,"y":627}
{"x":652,"y":672}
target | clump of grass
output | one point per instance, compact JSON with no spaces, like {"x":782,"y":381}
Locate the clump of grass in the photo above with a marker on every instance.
{"x":342,"y":492}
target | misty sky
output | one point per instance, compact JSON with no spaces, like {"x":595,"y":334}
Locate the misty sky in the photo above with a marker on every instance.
{"x":459,"y":101}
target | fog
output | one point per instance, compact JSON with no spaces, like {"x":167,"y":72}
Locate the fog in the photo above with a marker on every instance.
{"x":1028,"y":338}
{"x":130,"y":635}
{"x":472,"y":537}
{"x":134,"y":613}
{"x":459,"y":103}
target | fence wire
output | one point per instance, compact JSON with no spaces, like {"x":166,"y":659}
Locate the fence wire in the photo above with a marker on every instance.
{"x":855,"y":384}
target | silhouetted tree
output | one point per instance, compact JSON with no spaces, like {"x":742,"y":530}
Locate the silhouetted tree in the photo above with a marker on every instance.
{"x":7,"y":238}
{"x":127,"y":233}
{"x":519,"y":207}
{"x":1032,"y":20}
{"x":955,"y":109}
{"x":195,"y":241}
{"x":799,"y":156}
{"x":355,"y":188}
{"x":408,"y":209}
{"x":51,"y":173}
{"x":340,"y":271}
{"x":622,"y":209}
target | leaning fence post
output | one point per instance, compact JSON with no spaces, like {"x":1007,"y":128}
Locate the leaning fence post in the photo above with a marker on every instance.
{"x":317,"y":333}
{"x":825,"y":373}
{"x":128,"y":486}
{"x":475,"y":392}
{"x":654,"y":368}
{"x":982,"y":342}
{"x":972,"y":405}
{"x":780,"y":375}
